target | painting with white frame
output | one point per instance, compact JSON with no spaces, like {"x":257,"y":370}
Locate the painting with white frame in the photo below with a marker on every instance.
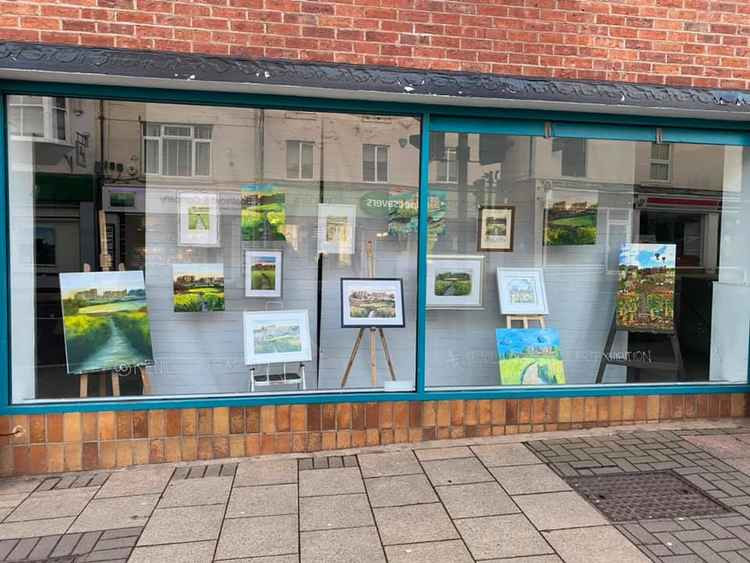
{"x":199,"y":219}
{"x":273,"y":337}
{"x":521,"y":291}
{"x":372,"y":302}
{"x":263,"y":273}
{"x":455,"y":282}
{"x":336,"y":228}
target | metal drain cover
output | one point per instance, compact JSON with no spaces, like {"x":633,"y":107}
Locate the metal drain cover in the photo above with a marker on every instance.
{"x":646,"y":495}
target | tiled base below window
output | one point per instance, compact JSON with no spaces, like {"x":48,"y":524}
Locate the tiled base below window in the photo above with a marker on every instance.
{"x":101,"y":440}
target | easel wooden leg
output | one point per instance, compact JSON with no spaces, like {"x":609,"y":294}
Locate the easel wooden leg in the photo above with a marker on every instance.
{"x":84,"y":385}
{"x":387,"y":354}
{"x":115,"y":384}
{"x":677,"y":357}
{"x":607,"y":350}
{"x":146,"y":379}
{"x":349,"y":365}
{"x":373,"y":359}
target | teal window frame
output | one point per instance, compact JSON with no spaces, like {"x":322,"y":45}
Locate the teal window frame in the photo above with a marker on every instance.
{"x":433,"y":119}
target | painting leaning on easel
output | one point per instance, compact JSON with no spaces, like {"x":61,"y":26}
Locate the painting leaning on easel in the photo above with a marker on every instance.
{"x":529,"y":356}
{"x":105,"y":320}
{"x":645,"y":295}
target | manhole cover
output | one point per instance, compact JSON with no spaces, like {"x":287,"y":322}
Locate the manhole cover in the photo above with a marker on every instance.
{"x":646,"y":495}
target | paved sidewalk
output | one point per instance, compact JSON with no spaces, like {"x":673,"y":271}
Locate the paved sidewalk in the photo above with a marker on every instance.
{"x":515,"y":498}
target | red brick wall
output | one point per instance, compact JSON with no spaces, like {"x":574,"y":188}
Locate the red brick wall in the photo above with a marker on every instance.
{"x":700,"y":43}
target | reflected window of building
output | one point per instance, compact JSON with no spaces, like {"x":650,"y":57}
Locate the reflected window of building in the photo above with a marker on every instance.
{"x":661,"y":158}
{"x":38,"y":117}
{"x":572,"y":156}
{"x":375,"y":163}
{"x":447,"y":171}
{"x":177,"y":150}
{"x":299,"y":160}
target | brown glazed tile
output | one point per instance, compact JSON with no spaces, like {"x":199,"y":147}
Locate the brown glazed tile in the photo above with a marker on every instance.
{"x":236,"y":420}
{"x":641,"y":407}
{"x":551,"y":410}
{"x":72,"y":427}
{"x":358,"y":416}
{"x":189,"y":446}
{"x":602,"y":409}
{"x":385,"y":415}
{"x":268,"y":419}
{"x":471,"y":431}
{"x":283,"y":418}
{"x":524,"y":411}
{"x":691,"y":406}
{"x":457,"y":413}
{"x":615,"y":408}
{"x":220,"y":446}
{"x":564,"y":410}
{"x":252,"y":420}
{"x":498,"y":411}
{"x":665,"y":407}
{"x":156,"y":451}
{"x":299,"y":418}
{"x":299,"y":442}
{"x":205,"y":447}
{"x":443,"y":414}
{"x":315,"y":441}
{"x":174,"y":422}
{"x":537,"y":411}
{"x":737,"y":404}
{"x":386,"y":436}
{"x":6,"y":460}
{"x":415,"y":414}
{"x":359,"y":438}
{"x":725,"y":405}
{"x":106,"y":425}
{"x":471,"y":413}
{"x":678,"y":407}
{"x":37,"y":430}
{"x":55,"y":458}
{"x":343,"y":416}
{"x":400,"y":435}
{"x":221,"y":421}
{"x":372,"y":436}
{"x":123,"y":453}
{"x":372,"y":415}
{"x":343,"y":439}
{"x":140,"y":450}
{"x":38,"y":458}
{"x":21,"y":420}
{"x":72,"y":453}
{"x":283,"y":442}
{"x":485,"y":411}
{"x":205,"y":421}
{"x":328,"y":440}
{"x":124,"y":425}
{"x":498,"y":430}
{"x":21,"y":460}
{"x":173,"y":449}
{"x":90,"y":426}
{"x":511,"y":411}
{"x":401,"y":414}
{"x":140,"y":424}
{"x":6,"y":423}
{"x":329,"y":416}
{"x":443,"y":433}
{"x":713,"y":405}
{"x":578,"y":409}
{"x":429,"y":414}
{"x":90,"y":456}
{"x":428,"y":433}
{"x":106,"y":455}
{"x":652,"y":407}
{"x":54,"y":428}
{"x":314,"y":418}
{"x":252,"y":444}
{"x":458,"y":432}
{"x":189,"y":422}
{"x":628,"y":407}
{"x":157,"y":426}
{"x":267,"y":444}
{"x":590,"y":411}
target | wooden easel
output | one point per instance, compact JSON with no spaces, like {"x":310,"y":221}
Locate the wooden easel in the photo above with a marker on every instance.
{"x":373,"y":332}
{"x":524,"y":319}
{"x":105,"y":259}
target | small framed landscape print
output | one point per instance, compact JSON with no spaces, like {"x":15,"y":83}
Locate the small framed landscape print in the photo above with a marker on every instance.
{"x":199,"y":219}
{"x":372,"y":302}
{"x":273,"y":337}
{"x":263,"y":273}
{"x":522,"y":291}
{"x":496,"y":228}
{"x":454,"y":282}
{"x":336,"y":228}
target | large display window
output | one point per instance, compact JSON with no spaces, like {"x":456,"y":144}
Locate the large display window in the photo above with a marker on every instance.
{"x":175,"y":250}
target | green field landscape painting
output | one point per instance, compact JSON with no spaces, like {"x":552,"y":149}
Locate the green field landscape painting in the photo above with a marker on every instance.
{"x":277,"y":338}
{"x":199,"y":218}
{"x":645,"y":296}
{"x":105,"y":317}
{"x":570,"y":218}
{"x":198,"y":287}
{"x":263,"y":214}
{"x":263,"y":276}
{"x":529,"y":356}
{"x":365,"y":304}
{"x":452,"y":283}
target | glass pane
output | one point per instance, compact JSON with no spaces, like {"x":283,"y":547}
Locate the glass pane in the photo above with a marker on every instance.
{"x":522,"y":240}
{"x":292,"y":159}
{"x":659,"y":171}
{"x":32,"y":121}
{"x":153,"y":130}
{"x":240,"y":241}
{"x":382,"y":164}
{"x":14,"y":120}
{"x":58,"y":124}
{"x":177,"y":131}
{"x":659,"y":151}
{"x":58,"y":103}
{"x":368,"y":163}
{"x":202,"y":131}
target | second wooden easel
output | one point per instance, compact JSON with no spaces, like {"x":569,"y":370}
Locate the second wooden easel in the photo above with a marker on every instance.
{"x":105,"y":259}
{"x":373,"y":343}
{"x":524,"y":319}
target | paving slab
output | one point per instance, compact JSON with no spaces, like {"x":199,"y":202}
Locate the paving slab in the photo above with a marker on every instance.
{"x":416,"y":523}
{"x":194,"y":492}
{"x":192,"y":552}
{"x":266,"y":472}
{"x":530,"y":559}
{"x":339,"y":511}
{"x":292,"y":558}
{"x":17,"y":485}
{"x":594,"y":545}
{"x":502,"y":536}
{"x":12,"y":500}
{"x":456,"y":471}
{"x":431,"y":454}
{"x":388,"y":463}
{"x":183,"y":524}
{"x":35,"y":528}
{"x":400,"y":490}
{"x":339,"y":481}
{"x":552,"y":511}
{"x":723,"y":447}
{"x":528,"y":479}
{"x":505,"y":454}
{"x":478,"y":499}
{"x":453,"y":551}
{"x":355,"y":544}
{"x":269,"y":500}
{"x":258,"y":537}
{"x":115,"y":512}
{"x":52,"y":504}
{"x":148,"y":480}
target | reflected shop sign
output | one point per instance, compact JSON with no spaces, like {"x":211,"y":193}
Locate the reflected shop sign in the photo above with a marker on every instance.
{"x":379,"y":203}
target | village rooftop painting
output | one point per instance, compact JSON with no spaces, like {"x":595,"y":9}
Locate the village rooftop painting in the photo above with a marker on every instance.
{"x":372,"y":302}
{"x":530,"y":356}
{"x":105,"y":317}
{"x":645,"y":296}
{"x":198,"y":287}
{"x":570,"y":218}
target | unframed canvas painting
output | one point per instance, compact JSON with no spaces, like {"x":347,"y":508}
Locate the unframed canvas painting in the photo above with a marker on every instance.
{"x":570,"y":218}
{"x":645,"y":296}
{"x":198,"y":288}
{"x":263,"y":213}
{"x":105,"y":318}
{"x":529,"y":356}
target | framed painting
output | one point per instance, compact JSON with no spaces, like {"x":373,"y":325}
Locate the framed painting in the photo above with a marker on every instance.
{"x":496,"y":228}
{"x":336,"y":224}
{"x":521,"y":291}
{"x":273,"y":337}
{"x":570,"y":217}
{"x":372,"y":302}
{"x":198,"y":288}
{"x":263,"y":273}
{"x":646,"y":288}
{"x":105,"y":321}
{"x":199,"y":219}
{"x":529,"y":356}
{"x":455,"y":281}
{"x":262,"y":213}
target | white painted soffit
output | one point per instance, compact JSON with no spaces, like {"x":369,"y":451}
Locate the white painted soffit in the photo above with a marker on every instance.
{"x":364,"y":95}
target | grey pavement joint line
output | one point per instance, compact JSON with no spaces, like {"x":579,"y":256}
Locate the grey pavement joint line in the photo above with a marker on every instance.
{"x":226,"y":508}
{"x":372,"y":512}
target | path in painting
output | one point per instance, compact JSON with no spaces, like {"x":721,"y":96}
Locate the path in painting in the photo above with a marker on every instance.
{"x":116,"y":351}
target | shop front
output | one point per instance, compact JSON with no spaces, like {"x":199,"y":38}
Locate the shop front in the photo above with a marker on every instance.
{"x":228,"y":263}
